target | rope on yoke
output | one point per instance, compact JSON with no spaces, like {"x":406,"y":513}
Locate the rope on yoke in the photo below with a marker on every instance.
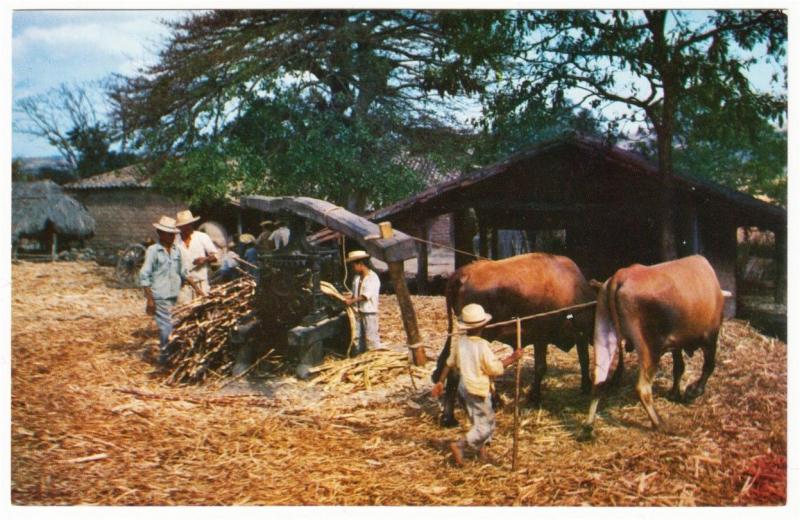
{"x":443,"y":246}
{"x":578,"y":307}
{"x":430,"y":339}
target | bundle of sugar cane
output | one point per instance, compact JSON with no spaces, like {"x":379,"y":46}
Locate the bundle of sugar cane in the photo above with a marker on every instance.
{"x":373,"y":368}
{"x":200,"y":341}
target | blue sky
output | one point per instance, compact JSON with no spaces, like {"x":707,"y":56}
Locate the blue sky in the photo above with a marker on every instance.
{"x":53,"y":47}
{"x":50,"y":47}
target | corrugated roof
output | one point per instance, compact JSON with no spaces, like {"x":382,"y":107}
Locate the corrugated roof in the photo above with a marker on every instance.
{"x":133,"y":176}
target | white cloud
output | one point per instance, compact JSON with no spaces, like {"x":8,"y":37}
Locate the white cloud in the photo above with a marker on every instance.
{"x":53,"y":47}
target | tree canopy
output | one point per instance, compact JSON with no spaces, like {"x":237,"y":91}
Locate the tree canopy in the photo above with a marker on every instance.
{"x":68,"y":119}
{"x":651,"y":64}
{"x":325,"y":98}
{"x":327,"y":103}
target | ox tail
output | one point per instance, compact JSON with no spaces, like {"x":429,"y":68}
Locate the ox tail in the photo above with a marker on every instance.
{"x":607,"y":333}
{"x":613,"y":308}
{"x":451,"y":292}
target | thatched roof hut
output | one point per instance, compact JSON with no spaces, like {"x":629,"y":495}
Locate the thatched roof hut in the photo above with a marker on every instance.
{"x":39,"y":208}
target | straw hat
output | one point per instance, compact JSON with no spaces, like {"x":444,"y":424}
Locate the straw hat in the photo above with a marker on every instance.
{"x":247,"y":238}
{"x":473,"y":316}
{"x":166,"y":224}
{"x":354,"y":256}
{"x":267,"y":223}
{"x":185,"y":217}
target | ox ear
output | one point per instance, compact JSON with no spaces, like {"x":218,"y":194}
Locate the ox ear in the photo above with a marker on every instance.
{"x":594,"y":284}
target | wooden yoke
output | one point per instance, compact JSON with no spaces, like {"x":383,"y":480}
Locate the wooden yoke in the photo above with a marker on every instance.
{"x":392,"y":247}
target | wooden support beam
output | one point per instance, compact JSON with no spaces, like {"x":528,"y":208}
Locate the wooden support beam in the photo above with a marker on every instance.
{"x":483,"y":237}
{"x":780,"y":266}
{"x":404,"y":300}
{"x":719,"y":247}
{"x":54,"y":246}
{"x":462,"y":237}
{"x":495,"y":244}
{"x":694,"y":231}
{"x":423,"y":232}
{"x":395,"y":249}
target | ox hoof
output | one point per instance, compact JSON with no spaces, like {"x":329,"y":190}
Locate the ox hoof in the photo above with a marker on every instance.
{"x":534,"y":400}
{"x":675,"y":397}
{"x":586,"y":433}
{"x":448,"y":422}
{"x":692,"y":393}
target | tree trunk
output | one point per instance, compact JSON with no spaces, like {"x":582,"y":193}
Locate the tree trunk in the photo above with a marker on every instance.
{"x":357,"y":201}
{"x":663,"y":119}
{"x":666,"y":200}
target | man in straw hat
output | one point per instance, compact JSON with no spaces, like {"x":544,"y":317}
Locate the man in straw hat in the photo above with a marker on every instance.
{"x":198,"y":251}
{"x":366,"y":288}
{"x":161,"y":277}
{"x":476,"y":364}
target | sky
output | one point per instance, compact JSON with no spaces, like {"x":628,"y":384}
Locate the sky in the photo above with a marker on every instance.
{"x":54,"y":47}
{"x":50,"y":47}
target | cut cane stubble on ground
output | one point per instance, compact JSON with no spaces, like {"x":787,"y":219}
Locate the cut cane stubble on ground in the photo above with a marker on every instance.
{"x":90,"y":424}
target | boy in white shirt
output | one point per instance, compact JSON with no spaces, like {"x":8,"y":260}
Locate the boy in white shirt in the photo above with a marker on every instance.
{"x":476,"y":364}
{"x":366,"y":290}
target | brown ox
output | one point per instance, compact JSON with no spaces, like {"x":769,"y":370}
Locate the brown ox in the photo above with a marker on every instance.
{"x":670,"y":307}
{"x":516,"y":287}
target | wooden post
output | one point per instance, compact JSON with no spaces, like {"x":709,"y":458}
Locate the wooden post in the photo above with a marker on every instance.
{"x":694,"y":230}
{"x":516,"y":399}
{"x":484,"y":237}
{"x":54,"y":246}
{"x":462,"y":237}
{"x":422,"y":258}
{"x":495,"y":243}
{"x":404,"y":300}
{"x":780,"y":266}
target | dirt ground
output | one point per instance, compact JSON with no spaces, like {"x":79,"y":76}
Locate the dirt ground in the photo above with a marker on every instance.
{"x":93,"y":424}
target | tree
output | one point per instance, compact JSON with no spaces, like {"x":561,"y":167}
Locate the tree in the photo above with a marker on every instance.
{"x":324,"y":97}
{"x":537,"y":122}
{"x":17,"y":173}
{"x":650,"y":62}
{"x":750,"y":158}
{"x":67,"y":118}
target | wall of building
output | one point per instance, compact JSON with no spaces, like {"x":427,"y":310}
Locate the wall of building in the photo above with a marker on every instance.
{"x":124,"y":215}
{"x":441,"y":230}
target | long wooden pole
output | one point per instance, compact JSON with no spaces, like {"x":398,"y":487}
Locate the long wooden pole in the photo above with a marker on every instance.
{"x":516,"y":399}
{"x":404,"y":300}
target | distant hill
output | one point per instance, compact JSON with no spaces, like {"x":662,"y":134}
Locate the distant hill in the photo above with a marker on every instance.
{"x":34,"y":165}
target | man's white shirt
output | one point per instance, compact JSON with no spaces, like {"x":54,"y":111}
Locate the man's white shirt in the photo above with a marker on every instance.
{"x":200,"y":245}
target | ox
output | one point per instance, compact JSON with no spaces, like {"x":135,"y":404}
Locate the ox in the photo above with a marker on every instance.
{"x":672,"y":307}
{"x":515,"y":287}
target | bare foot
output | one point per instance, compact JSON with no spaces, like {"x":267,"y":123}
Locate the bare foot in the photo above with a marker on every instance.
{"x":458,"y":453}
{"x":483,"y":455}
